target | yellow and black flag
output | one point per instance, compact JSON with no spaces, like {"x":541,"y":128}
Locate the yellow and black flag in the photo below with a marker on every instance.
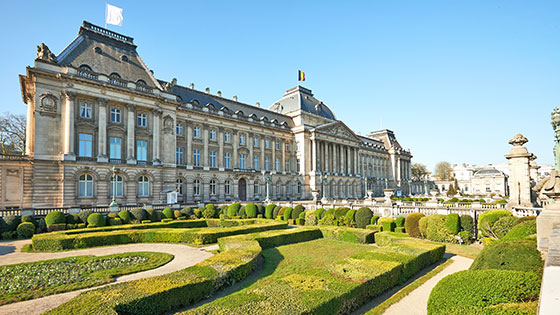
{"x":300,"y":75}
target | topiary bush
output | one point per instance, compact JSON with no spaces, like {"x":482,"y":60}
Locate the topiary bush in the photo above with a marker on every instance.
{"x":260,"y":210}
{"x":387,"y":224}
{"x":363,"y":217}
{"x":95,"y":220}
{"x":340,"y":212}
{"x":241,"y":213}
{"x":328,"y":219}
{"x":436,"y":229}
{"x":71,"y":218}
{"x":55,"y":217}
{"x":374,"y":220}
{"x":25,"y":230}
{"x":467,"y":223}
{"x":423,"y":226}
{"x":276,"y":211}
{"x":487,"y":219}
{"x":177,"y":214}
{"x":114,"y":221}
{"x":319,"y":213}
{"x":138,"y":214}
{"x":503,"y":226}
{"x":84,"y":214}
{"x":520,"y":255}
{"x":251,"y":210}
{"x":153,"y":215}
{"x":42,"y":226}
{"x":524,"y":230}
{"x":288,"y":213}
{"x":399,"y":222}
{"x":297,"y":210}
{"x":167,"y":213}
{"x":268,"y":211}
{"x":453,"y":223}
{"x":411,"y":224}
{"x":125,"y":216}
{"x":311,"y":218}
{"x":209,"y":211}
{"x":233,"y":209}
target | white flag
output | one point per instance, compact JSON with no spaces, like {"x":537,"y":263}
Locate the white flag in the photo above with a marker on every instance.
{"x":113,"y":15}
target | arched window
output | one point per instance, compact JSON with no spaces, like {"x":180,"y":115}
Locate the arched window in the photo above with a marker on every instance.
{"x":98,"y":50}
{"x":115,"y":75}
{"x":116,"y":186}
{"x":179,"y":186}
{"x":143,"y":186}
{"x":141,"y":82}
{"x":85,"y":189}
{"x":124,"y":58}
{"x":227,"y":187}
{"x":86,"y":67}
{"x":299,"y":188}
{"x":256,"y":188}
{"x":196,"y":187}
{"x":212,"y":187}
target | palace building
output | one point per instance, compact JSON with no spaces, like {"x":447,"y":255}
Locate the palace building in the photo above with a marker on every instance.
{"x":96,"y":109}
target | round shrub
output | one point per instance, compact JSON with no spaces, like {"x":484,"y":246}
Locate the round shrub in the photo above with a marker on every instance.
{"x":374,"y":220}
{"x":233,"y":209}
{"x":25,"y":230}
{"x":328,"y":219}
{"x":209,"y":212}
{"x":387,"y":224}
{"x":423,"y":226}
{"x":363,"y":217}
{"x":114,"y":221}
{"x":436,"y":230}
{"x":411,"y":224}
{"x":84,"y":214}
{"x":311,"y":218}
{"x":30,"y":218}
{"x":329,"y":211}
{"x":319,"y":213}
{"x":10,"y":223}
{"x":288,"y":213}
{"x":268,"y":211}
{"x":480,"y":291}
{"x":520,"y":255}
{"x":41,"y":225}
{"x":198,"y":212}
{"x":276,"y":211}
{"x":241,"y":213}
{"x":523,"y":230}
{"x":399,"y":222}
{"x":168,"y":213}
{"x":187,"y":212}
{"x":302,"y":215}
{"x":125,"y":216}
{"x":487,"y":219}
{"x":96,"y":220}
{"x":340,"y":212}
{"x":467,"y":223}
{"x":251,"y":210}
{"x":260,"y":209}
{"x":177,"y":214}
{"x":73,"y":218}
{"x":138,"y":214}
{"x":503,"y":226}
{"x":350,"y":215}
{"x":453,"y":223}
{"x":153,"y":215}
{"x":297,"y":210}
{"x":55,"y":217}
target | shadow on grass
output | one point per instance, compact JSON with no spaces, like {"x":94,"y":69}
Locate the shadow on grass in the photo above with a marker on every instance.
{"x":269,"y":260}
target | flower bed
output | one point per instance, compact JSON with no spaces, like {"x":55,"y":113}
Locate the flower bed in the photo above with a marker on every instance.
{"x":35,"y":279}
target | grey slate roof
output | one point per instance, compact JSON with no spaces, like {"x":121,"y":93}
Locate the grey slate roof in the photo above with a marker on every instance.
{"x":81,"y":51}
{"x":488,"y":172}
{"x":375,"y":144}
{"x":301,"y":98}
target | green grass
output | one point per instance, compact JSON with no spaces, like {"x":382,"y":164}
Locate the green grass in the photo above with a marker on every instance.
{"x":468,"y":251}
{"x":32,"y":280}
{"x":381,"y":308}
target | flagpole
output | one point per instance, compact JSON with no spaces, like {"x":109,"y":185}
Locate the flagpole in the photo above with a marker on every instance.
{"x":106,"y":14}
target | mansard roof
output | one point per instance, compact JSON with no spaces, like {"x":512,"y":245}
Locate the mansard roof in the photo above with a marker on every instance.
{"x":300,"y":98}
{"x":107,"y":52}
{"x":373,"y":143}
{"x":389,"y":140}
{"x":188,"y":95}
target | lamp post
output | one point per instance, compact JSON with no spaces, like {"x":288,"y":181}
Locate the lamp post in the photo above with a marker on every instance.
{"x":410,"y":187}
{"x":365,"y":187}
{"x":114,"y":206}
{"x":323,"y":182}
{"x":267,"y":179}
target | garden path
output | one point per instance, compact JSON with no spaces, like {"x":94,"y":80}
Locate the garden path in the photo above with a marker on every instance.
{"x":416,"y":302}
{"x":10,"y":253}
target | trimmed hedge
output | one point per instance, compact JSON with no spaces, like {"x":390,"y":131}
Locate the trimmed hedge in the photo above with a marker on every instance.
{"x":411,"y":224}
{"x":387,"y":224}
{"x":125,"y":216}
{"x":483,"y":292}
{"x":55,"y":217}
{"x":270,"y":239}
{"x":453,"y":223}
{"x":363,"y":217}
{"x":251,"y":210}
{"x":399,"y":222}
{"x":523,"y":230}
{"x":399,"y":229}
{"x":348,"y":234}
{"x":487,"y":219}
{"x":340,"y":212}
{"x":520,"y":255}
{"x":467,"y":223}
{"x":297,"y":211}
{"x":25,"y":230}
{"x":503,"y":225}
{"x":374,"y":219}
{"x":423,"y":226}
{"x":84,"y":214}
{"x":319,"y":213}
{"x":287,"y":213}
{"x":268,"y":211}
{"x":233,"y":209}
{"x":138,"y":214}
{"x":167,"y":213}
{"x":96,"y":220}
{"x":436,"y":229}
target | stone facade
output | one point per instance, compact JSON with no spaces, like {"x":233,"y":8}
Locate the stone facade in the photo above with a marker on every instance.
{"x":96,"y":106}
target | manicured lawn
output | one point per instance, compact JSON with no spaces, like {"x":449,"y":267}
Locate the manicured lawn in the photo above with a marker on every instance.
{"x":468,"y":251}
{"x":320,"y":277}
{"x":32,"y":280}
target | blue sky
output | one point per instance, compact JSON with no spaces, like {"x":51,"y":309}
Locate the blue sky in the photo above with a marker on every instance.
{"x":455,"y":80}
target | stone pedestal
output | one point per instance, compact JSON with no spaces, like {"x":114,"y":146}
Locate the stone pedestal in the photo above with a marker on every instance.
{"x":519,"y":173}
{"x":388,"y":193}
{"x":315,"y":194}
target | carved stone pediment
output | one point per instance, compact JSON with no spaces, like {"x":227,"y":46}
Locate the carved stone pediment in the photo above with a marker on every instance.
{"x":45,"y":54}
{"x":338,"y":130}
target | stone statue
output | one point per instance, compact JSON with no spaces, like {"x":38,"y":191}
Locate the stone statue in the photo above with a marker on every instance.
{"x":169,"y":86}
{"x":44,"y":53}
{"x":556,"y":126}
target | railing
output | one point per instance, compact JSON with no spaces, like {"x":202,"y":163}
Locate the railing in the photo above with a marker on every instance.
{"x":116,"y":161}
{"x":86,"y":159}
{"x":87,"y":74}
{"x":117,"y":82}
{"x":107,"y":32}
{"x":143,"y":88}
{"x":526,"y":211}
{"x":144,"y":163}
{"x":13,"y":157}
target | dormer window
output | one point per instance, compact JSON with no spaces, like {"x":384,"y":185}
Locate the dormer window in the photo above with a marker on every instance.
{"x":98,"y":50}
{"x":86,"y":67}
{"x":124,"y":58}
{"x":141,"y":82}
{"x":115,"y":75}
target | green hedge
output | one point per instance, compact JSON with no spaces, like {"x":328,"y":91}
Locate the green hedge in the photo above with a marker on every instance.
{"x":453,"y":223}
{"x":65,"y":240}
{"x":288,"y":213}
{"x":298,"y":210}
{"x":374,"y":219}
{"x":388,"y":238}
{"x":96,"y":220}
{"x":374,"y":227}
{"x":520,"y":255}
{"x":436,"y":229}
{"x":467,"y":223}
{"x":487,"y":219}
{"x":483,"y":292}
{"x":411,"y":224}
{"x":399,"y":229}
{"x":503,"y":225}
{"x":269,"y":211}
{"x":399,"y":222}
{"x":423,"y":226}
{"x":25,"y":230}
{"x":55,"y":217}
{"x":387,"y":224}
{"x":348,"y":234}
{"x":363,"y":217}
{"x":522,"y":230}
{"x":270,"y":239}
{"x":233,"y":209}
{"x":251,"y":210}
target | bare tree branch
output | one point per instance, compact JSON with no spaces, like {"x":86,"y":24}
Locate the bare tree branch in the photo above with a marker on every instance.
{"x":12,"y":133}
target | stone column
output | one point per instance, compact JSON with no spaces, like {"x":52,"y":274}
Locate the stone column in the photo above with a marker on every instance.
{"x":519,"y":173}
{"x":205,"y":147}
{"x":283,"y":148}
{"x":189,"y":152}
{"x":69,"y":103}
{"x":314,"y":155}
{"x":261,"y":163}
{"x":234,"y":154}
{"x":327,"y":159}
{"x":130,"y":157}
{"x":343,"y":168}
{"x":336,"y":160}
{"x":102,"y":131}
{"x":250,"y":143}
{"x":220,"y":156}
{"x":156,"y":113}
{"x":273,"y":147}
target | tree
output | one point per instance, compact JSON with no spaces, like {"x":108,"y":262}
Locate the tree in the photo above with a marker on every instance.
{"x":419,"y":171}
{"x":452,"y":191}
{"x":443,"y":171}
{"x":12,"y":134}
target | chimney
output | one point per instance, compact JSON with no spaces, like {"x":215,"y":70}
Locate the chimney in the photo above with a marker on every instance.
{"x":191,"y":86}
{"x":207,"y":90}
{"x":258,"y":104}
{"x":219,"y":93}
{"x":235,"y":98}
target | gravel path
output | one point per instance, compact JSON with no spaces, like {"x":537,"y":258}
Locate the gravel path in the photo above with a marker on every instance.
{"x":416,"y":302}
{"x":10,"y":253}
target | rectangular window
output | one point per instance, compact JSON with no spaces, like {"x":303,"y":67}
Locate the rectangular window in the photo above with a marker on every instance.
{"x":266,"y":143}
{"x":267,"y":163}
{"x":242,"y":161}
{"x":141,"y":120}
{"x":255,"y":142}
{"x":114,"y":148}
{"x":277,"y":145}
{"x":227,"y":137}
{"x":85,"y":110}
{"x":196,"y":132}
{"x":297,"y":166}
{"x":116,"y":186}
{"x":212,"y":134}
{"x":287,"y":168}
{"x":115,"y":115}
{"x":242,"y":139}
{"x":179,"y":129}
{"x":277,"y":164}
{"x":227,"y":187}
{"x":196,"y":157}
{"x":212,"y":159}
{"x":256,"y":188}
{"x":288,"y":189}
{"x":227,"y":160}
{"x":85,"y":144}
{"x":256,"y":162}
{"x":179,"y":156}
{"x":142,"y":150}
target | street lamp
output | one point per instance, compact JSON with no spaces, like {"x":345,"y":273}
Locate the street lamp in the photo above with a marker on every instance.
{"x":267,"y":179}
{"x":365,"y":187}
{"x":323,"y":182}
{"x":114,"y":205}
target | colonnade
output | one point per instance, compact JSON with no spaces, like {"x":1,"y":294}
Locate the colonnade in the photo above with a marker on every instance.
{"x":334,"y":158}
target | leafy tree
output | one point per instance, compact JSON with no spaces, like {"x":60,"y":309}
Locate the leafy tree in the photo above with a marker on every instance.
{"x":443,"y":171}
{"x":419,"y":171}
{"x":12,"y":134}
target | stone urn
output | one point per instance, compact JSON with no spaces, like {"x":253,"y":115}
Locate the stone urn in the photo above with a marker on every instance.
{"x":388,"y":193}
{"x":369,"y":194}
{"x":315,"y":194}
